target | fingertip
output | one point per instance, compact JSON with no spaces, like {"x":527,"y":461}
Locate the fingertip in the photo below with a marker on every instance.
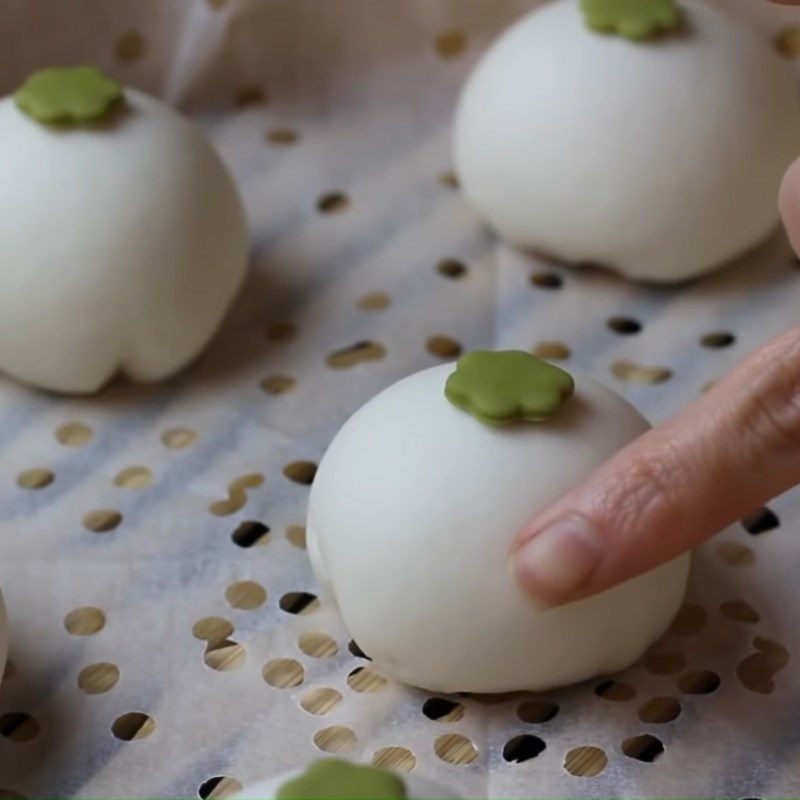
{"x":556,"y":564}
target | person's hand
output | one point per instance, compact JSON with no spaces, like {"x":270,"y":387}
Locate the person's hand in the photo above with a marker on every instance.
{"x":715,"y":462}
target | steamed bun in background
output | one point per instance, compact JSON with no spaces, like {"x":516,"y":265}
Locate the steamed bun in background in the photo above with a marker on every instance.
{"x":122,"y":236}
{"x":649,"y":137}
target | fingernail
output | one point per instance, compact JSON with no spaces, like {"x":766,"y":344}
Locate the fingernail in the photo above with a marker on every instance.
{"x":559,"y":560}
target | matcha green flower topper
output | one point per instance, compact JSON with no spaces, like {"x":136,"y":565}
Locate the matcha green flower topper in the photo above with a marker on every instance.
{"x":633,"y":19}
{"x":508,"y":386}
{"x":68,"y":95}
{"x":334,"y":779}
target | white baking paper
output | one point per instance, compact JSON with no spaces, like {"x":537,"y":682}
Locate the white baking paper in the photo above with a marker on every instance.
{"x":368,"y":87}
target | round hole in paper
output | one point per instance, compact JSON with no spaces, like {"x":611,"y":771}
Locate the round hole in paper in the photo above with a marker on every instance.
{"x":336,"y":739}
{"x":441,"y":709}
{"x":35,"y":478}
{"x":455,"y":748}
{"x":450,"y":44}
{"x":646,"y":748}
{"x":400,"y":759}
{"x":321,"y":700}
{"x":18,"y":726}
{"x":624,"y":326}
{"x":359,"y":353}
{"x":739,"y":611}
{"x":552,"y":351}
{"x":631,"y":372}
{"x":717,"y":340}
{"x":283,"y":673}
{"x":98,"y":678}
{"x":355,"y":650}
{"x":85,"y":621}
{"x":449,"y":179}
{"x":219,"y":788}
{"x":133,"y":725}
{"x":586,"y":761}
{"x":660,"y":710}
{"x":375,"y":301}
{"x":546,"y":280}
{"x":238,"y":495}
{"x":178,"y":438}
{"x":225,"y":655}
{"x":443,"y":347}
{"x":302,"y":472}
{"x":733,"y":554}
{"x":452,"y":268}
{"x":250,"y":533}
{"x":212,"y":629}
{"x":246,"y":595}
{"x":757,"y":671}
{"x":136,"y":477}
{"x":74,"y":434}
{"x":761,"y":521}
{"x":333,"y":203}
{"x":523,"y":748}
{"x":278,"y":384}
{"x":701,"y":681}
{"x":298,"y":603}
{"x":317,"y":644}
{"x":296,"y":534}
{"x":102,"y":520}
{"x":787,"y":42}
{"x":366,"y":679}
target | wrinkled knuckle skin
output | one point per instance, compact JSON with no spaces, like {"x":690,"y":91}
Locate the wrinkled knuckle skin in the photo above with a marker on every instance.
{"x":646,"y":493}
{"x":774,"y":425}
{"x":767,"y":418}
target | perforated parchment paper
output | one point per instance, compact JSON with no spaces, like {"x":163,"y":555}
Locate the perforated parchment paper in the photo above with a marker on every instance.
{"x":166,"y":636}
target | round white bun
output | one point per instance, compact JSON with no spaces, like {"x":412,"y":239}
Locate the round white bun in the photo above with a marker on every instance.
{"x":412,"y":514}
{"x":122,"y":246}
{"x":660,"y":159}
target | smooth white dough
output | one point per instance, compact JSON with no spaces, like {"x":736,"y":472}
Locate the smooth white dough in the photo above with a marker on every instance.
{"x":659,"y":159}
{"x":121,"y":247}
{"x":417,"y":788}
{"x":412,"y":514}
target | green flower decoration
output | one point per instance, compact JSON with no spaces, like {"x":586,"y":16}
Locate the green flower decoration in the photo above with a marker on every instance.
{"x":508,"y":386}
{"x":633,"y":19}
{"x":76,"y":95}
{"x":334,"y":779}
